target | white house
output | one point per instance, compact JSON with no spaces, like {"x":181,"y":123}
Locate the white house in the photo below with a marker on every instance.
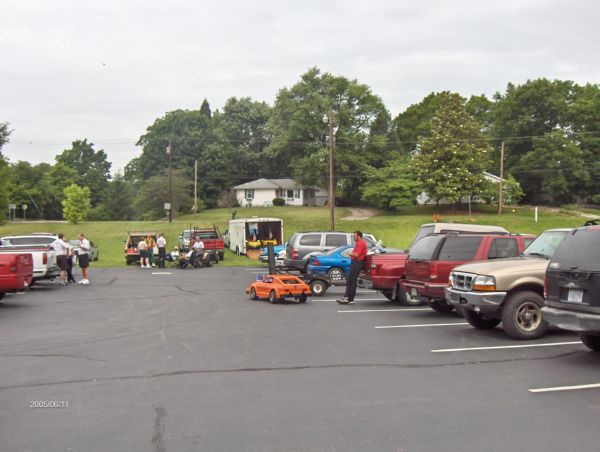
{"x":261,"y":192}
{"x":424,"y":198}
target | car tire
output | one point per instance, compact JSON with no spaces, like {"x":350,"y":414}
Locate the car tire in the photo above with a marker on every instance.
{"x":272,"y":297}
{"x":441,"y":306}
{"x":479,"y":321}
{"x":335,"y":274}
{"x":591,"y":341}
{"x":302,"y":298}
{"x":222,"y":256}
{"x":405,"y":298}
{"x":253,"y":293}
{"x":318,"y":287}
{"x":522,"y":316}
{"x":1,"y":295}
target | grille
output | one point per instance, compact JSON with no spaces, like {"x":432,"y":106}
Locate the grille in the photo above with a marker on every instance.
{"x":462,"y":281}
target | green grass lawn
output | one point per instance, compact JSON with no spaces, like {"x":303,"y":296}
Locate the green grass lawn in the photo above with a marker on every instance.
{"x":396,"y":230}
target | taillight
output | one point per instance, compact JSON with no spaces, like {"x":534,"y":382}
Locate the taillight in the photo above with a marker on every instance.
{"x":44,"y":258}
{"x":315,"y":261}
{"x":294,"y":253}
{"x":374,"y":270}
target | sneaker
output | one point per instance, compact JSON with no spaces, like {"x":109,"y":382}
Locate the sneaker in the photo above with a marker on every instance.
{"x":80,"y":281}
{"x":349,"y":301}
{"x":342,"y":300}
{"x":62,"y":283}
{"x":85,"y":282}
{"x":143,"y":266}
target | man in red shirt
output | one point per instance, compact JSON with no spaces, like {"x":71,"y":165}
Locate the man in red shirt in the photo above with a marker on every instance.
{"x":358,"y":255}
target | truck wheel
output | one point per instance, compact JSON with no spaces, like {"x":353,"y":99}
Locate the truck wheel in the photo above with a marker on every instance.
{"x":335,"y":273}
{"x":440,"y":306}
{"x":591,"y":341}
{"x":1,"y":295}
{"x":302,"y":298}
{"x":480,"y":321}
{"x":406,"y":299}
{"x":522,"y":316}
{"x":253,"y":294}
{"x":222,"y":256}
{"x":318,"y":287}
{"x":272,"y":297}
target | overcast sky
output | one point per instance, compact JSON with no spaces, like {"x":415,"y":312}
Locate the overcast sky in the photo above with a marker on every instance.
{"x":105,"y":70}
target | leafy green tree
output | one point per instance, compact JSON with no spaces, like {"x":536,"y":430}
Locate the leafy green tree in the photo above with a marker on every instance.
{"x":392,"y":186}
{"x":154,"y":194}
{"x":450,"y":161}
{"x":92,"y":167}
{"x":76,"y":204}
{"x":32,"y":185}
{"x":205,"y":109}
{"x":511,"y":192}
{"x":118,"y":203}
{"x":299,"y":132}
{"x":4,"y":172}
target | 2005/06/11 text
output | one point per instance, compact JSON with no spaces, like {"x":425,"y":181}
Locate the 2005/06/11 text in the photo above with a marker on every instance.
{"x":49,"y":404}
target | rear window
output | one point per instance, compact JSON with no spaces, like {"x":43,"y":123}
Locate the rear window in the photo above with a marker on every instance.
{"x":501,"y":248}
{"x":425,"y":230}
{"x":579,"y":250}
{"x":311,"y":240}
{"x":425,"y":248}
{"x":336,"y":240}
{"x":459,"y":248}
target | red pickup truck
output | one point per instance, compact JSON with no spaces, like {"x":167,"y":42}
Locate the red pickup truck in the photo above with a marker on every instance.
{"x":16,"y":272}
{"x":384,"y":272}
{"x":431,"y":260}
{"x":210,"y":237}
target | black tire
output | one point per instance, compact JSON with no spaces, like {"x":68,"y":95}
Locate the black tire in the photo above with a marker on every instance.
{"x":479,"y":321}
{"x":522,"y":316}
{"x":302,"y":298}
{"x":387,"y":293}
{"x":272,"y":297}
{"x":253,"y":293}
{"x":222,"y":256}
{"x":405,"y":298}
{"x":1,"y":295}
{"x":97,"y":257}
{"x":441,"y":306}
{"x":318,"y":287}
{"x":129,"y":262}
{"x":591,"y":341}
{"x":335,"y":274}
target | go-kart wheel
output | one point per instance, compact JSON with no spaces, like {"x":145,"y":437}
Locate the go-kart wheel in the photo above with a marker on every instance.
{"x":272,"y":297}
{"x":253,"y":294}
{"x":318,"y":287}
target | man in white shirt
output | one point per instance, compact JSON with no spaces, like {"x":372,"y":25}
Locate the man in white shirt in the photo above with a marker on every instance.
{"x":161,"y":244}
{"x":83,"y":256}
{"x":61,"y":249}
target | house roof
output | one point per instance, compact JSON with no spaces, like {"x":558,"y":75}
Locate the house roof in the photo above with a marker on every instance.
{"x":285,"y":184}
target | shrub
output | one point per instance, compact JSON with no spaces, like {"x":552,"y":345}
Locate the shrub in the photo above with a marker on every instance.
{"x":279,"y":202}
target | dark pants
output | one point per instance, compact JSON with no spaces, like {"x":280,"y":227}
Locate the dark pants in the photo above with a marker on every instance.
{"x":162,"y":255}
{"x":355,"y":269}
{"x":69,"y":270}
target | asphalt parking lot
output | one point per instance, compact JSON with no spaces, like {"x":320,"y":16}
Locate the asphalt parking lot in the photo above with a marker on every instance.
{"x":183,"y":360}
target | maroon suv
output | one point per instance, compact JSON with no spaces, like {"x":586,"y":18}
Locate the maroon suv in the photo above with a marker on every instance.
{"x":432,"y":259}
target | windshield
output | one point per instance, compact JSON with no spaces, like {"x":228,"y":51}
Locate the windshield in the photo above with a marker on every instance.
{"x":545,"y":244}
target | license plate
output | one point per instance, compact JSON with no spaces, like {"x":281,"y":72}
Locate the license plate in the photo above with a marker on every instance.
{"x":575,"y":296}
{"x":413,"y":292}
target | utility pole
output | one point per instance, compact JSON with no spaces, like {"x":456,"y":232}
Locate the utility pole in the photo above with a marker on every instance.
{"x":195,"y":209}
{"x":170,"y":154}
{"x":331,"y":175}
{"x":501,"y":178}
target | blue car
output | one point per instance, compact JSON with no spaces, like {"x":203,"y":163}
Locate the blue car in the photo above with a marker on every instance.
{"x":335,"y":263}
{"x":264,"y":252}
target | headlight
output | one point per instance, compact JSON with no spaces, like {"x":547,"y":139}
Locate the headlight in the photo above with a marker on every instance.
{"x":484,"y":283}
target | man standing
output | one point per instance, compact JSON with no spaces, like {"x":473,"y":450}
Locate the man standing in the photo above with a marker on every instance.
{"x":83,"y":256}
{"x":61,"y":249}
{"x":161,"y":243}
{"x":358,"y":255}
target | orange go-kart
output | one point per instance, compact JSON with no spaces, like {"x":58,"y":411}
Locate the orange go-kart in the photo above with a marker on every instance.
{"x":279,"y":287}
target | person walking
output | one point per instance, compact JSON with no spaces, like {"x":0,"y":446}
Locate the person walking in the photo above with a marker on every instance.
{"x":161,"y":243}
{"x":143,"y":250}
{"x":61,"y":249}
{"x":83,"y":256}
{"x":358,"y":256}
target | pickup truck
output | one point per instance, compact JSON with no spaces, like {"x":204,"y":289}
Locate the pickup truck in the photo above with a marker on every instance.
{"x":211,"y":237}
{"x":510,"y":291}
{"x":384,"y":272}
{"x":432,"y":259}
{"x":44,"y":260}
{"x":16,"y":272}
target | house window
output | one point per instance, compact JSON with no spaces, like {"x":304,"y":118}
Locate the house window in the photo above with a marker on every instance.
{"x":297,"y":194}
{"x":279,"y":193}
{"x":249,"y":193}
{"x":290,"y":194}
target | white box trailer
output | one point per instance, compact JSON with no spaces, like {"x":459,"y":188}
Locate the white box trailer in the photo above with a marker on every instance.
{"x":253,"y":230}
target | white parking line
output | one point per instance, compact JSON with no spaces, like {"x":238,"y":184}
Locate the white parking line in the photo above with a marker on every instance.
{"x":500,"y":347}
{"x":422,"y":326}
{"x":356,"y":299}
{"x":162,"y":273}
{"x":388,"y":310}
{"x":566,"y":388}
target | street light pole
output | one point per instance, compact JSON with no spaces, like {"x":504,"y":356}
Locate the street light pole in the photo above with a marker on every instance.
{"x":331,"y":176}
{"x":170,"y":154}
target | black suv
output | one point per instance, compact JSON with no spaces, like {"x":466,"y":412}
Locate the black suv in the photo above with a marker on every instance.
{"x":573,"y":285}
